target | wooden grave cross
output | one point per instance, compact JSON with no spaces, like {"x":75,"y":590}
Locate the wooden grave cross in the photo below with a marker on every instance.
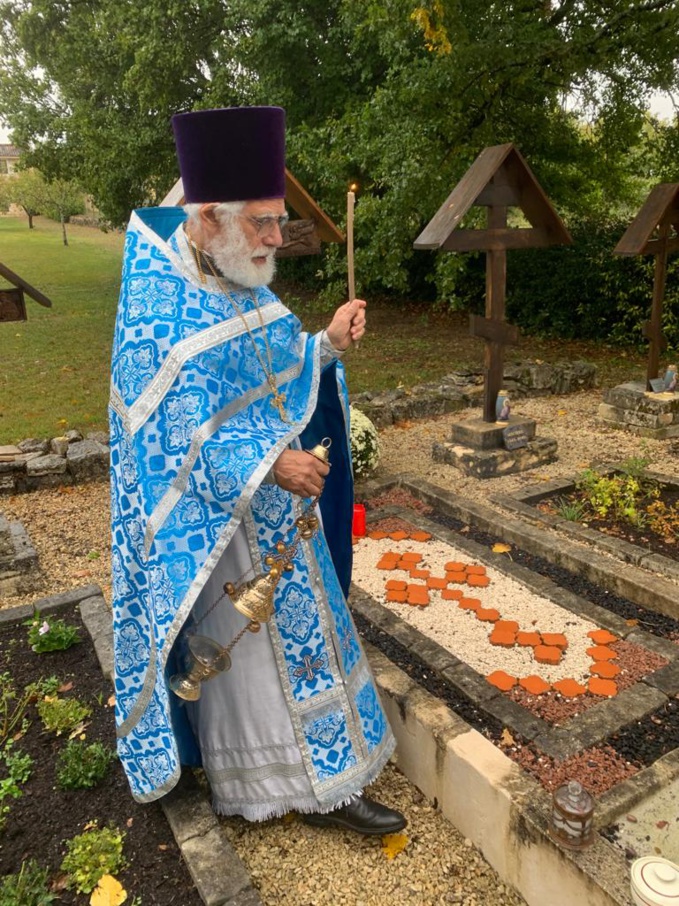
{"x":654,"y":231}
{"x":12,"y":304}
{"x":498,"y":179}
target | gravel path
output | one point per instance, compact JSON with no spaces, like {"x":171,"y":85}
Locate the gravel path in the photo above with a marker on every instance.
{"x":69,"y":528}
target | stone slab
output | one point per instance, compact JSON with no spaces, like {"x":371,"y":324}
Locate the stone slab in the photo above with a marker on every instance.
{"x":480,"y":435}
{"x":495,"y":463}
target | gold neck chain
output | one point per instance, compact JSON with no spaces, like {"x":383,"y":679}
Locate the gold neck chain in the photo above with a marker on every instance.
{"x":277,"y":398}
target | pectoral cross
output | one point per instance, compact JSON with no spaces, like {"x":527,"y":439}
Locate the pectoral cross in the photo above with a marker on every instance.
{"x":278,"y":399}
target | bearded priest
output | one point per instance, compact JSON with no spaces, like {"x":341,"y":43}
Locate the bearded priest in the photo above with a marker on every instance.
{"x":232,"y":501}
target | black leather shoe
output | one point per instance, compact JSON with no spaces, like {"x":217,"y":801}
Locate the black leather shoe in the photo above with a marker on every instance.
{"x":361,"y":815}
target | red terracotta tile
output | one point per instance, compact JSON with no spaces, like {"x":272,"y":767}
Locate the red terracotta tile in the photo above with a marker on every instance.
{"x":435,"y":582}
{"x":555,"y":639}
{"x":451,"y":594}
{"x":478,"y":581}
{"x":487,"y":614}
{"x":601,"y":653}
{"x":404,"y":564}
{"x":534,"y":685}
{"x":569,"y":688}
{"x":507,"y":626}
{"x":397,"y":596}
{"x":458,"y":577}
{"x":387,"y":564}
{"x":418,"y":594}
{"x":399,"y":535}
{"x":419,"y":573}
{"x":603,"y":687}
{"x":604,"y":669}
{"x":411,"y":557}
{"x":376,"y":535}
{"x":396,"y":585}
{"x":420,"y":536}
{"x":469,"y":603}
{"x":546,"y":654}
{"x":454,"y":566}
{"x":529,"y":639}
{"x":502,"y":637}
{"x":501,"y":680}
{"x":475,"y":569}
{"x":602,"y":637}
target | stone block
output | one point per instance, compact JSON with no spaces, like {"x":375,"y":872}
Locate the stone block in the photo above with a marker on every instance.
{"x":495,"y":463}
{"x":34,"y":445}
{"x":480,"y":435}
{"x":101,"y":437}
{"x":188,"y":810}
{"x":50,"y":464}
{"x":87,"y":459}
{"x":216,"y":870}
{"x":59,"y":445}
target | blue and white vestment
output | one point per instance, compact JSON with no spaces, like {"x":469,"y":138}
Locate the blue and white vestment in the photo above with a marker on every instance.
{"x":296,"y":723}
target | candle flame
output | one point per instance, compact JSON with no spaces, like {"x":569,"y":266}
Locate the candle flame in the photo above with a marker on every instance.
{"x":353,"y":187}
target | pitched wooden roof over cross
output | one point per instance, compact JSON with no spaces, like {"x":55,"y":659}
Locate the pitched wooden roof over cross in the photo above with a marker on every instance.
{"x":498,"y":179}
{"x":654,"y":231}
{"x":12,"y":305}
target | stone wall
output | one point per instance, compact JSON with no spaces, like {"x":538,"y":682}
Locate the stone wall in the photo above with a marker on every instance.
{"x":71,"y":459}
{"x":463,"y":389}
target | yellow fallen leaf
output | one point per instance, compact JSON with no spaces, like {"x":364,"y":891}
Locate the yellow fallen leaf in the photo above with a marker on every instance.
{"x":562,"y":411}
{"x":393,"y":844}
{"x":501,"y":548}
{"x":632,"y":622}
{"x":108,"y":892}
{"x":506,"y":739}
{"x":111,"y":701}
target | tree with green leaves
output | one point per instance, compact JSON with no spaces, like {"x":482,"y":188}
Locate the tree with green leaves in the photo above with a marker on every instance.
{"x":28,"y":190}
{"x":64,"y":198}
{"x":397,"y":95}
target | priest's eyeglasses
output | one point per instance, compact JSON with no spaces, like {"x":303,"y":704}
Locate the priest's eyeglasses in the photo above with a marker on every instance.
{"x":266,"y":224}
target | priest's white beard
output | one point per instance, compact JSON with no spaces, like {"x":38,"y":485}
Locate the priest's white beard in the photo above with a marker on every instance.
{"x":233,"y":254}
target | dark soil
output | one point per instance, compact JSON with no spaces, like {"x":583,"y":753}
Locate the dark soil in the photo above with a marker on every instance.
{"x":44,"y":817}
{"x":652,"y":541}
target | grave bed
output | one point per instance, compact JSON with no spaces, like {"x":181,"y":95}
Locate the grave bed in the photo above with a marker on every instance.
{"x":638,"y":728}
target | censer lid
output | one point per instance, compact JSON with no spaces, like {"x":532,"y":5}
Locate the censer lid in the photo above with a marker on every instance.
{"x":655,"y":882}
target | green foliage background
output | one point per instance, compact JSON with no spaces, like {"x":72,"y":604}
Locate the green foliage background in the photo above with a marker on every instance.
{"x":397,"y":95}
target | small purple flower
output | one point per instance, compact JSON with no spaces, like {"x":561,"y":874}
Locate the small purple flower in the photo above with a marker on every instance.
{"x":44,"y":628}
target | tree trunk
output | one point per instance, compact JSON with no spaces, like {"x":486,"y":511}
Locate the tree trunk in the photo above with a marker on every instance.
{"x":63,"y":229}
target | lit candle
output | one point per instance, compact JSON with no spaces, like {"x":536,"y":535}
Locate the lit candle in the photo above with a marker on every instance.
{"x":351,"y":201}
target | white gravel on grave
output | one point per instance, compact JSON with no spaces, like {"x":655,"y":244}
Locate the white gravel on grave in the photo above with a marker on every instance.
{"x":459,"y":631}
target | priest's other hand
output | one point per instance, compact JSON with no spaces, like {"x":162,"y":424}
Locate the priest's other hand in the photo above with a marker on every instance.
{"x":348,"y":324}
{"x":300,"y":473}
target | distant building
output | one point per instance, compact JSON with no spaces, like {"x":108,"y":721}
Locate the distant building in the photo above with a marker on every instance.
{"x":9,"y":158}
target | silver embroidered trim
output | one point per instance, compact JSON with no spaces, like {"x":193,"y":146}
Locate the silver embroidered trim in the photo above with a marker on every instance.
{"x":161,"y":790}
{"x":142,"y":409}
{"x":253,"y":775}
{"x":144,"y":696}
{"x":174,"y":494}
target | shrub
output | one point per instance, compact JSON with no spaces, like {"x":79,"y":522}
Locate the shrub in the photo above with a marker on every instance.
{"x":28,"y":888}
{"x":19,"y":765}
{"x":92,"y":855}
{"x":81,"y":766}
{"x":365,"y":444}
{"x":50,"y":634}
{"x":60,"y":715}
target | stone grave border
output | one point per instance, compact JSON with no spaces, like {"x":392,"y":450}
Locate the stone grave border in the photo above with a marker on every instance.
{"x":523,"y":503}
{"x":581,"y":732}
{"x":592,"y":560}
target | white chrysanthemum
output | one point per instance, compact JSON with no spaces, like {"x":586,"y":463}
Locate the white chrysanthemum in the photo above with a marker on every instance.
{"x":365,"y":444}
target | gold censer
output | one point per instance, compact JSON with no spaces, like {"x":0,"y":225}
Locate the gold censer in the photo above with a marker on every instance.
{"x":254,"y":599}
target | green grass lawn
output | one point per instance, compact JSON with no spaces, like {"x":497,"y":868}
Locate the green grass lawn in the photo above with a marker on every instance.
{"x":54,"y":368}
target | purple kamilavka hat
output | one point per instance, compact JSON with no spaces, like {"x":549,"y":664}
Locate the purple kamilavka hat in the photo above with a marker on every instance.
{"x":231,"y":154}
